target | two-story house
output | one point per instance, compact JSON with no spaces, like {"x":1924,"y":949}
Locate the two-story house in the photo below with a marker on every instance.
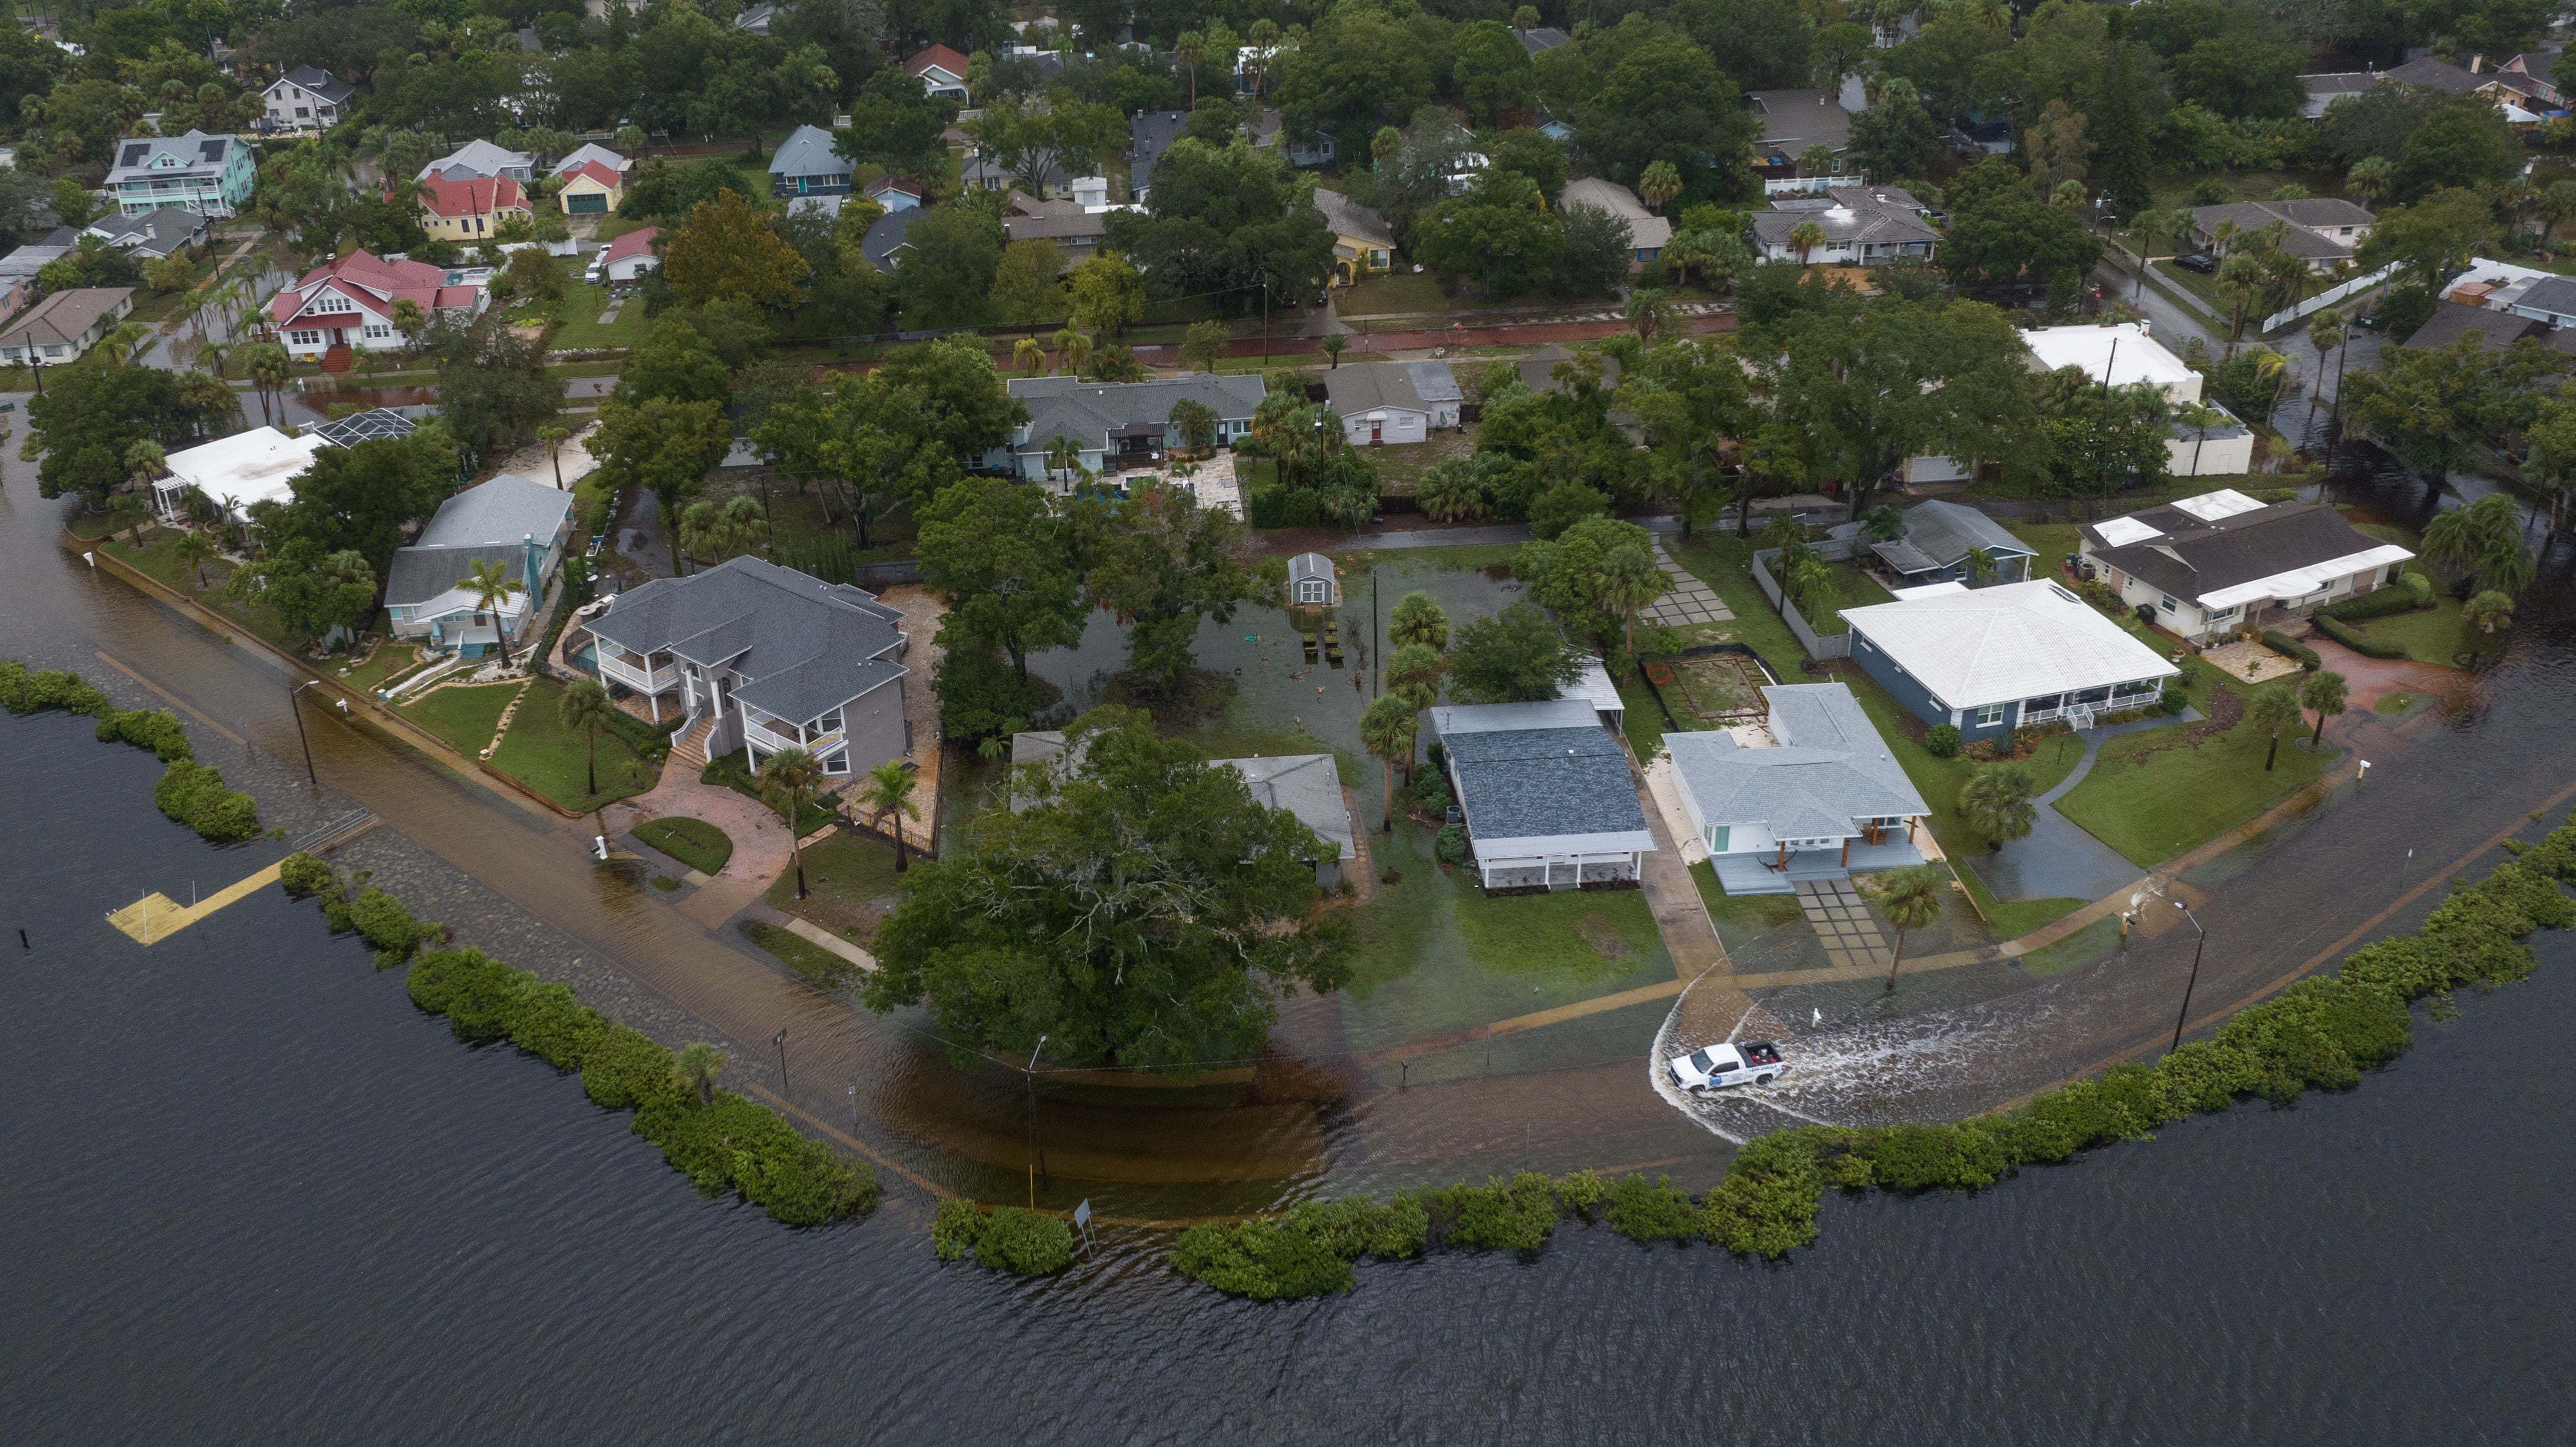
{"x":806,"y":165}
{"x":305,"y":98}
{"x":470,"y":211}
{"x":349,"y":302}
{"x":1115,"y":424}
{"x":519,"y":524}
{"x":941,"y":71}
{"x":481,"y":161}
{"x":212,"y":175}
{"x":761,"y":659}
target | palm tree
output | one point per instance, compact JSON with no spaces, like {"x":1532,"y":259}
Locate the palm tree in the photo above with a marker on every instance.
{"x":1073,"y":348}
{"x":585,"y":706}
{"x":2370,"y":179}
{"x":268,"y":367}
{"x":1647,"y":312}
{"x":195,"y":549}
{"x":1189,"y":49}
{"x":2491,"y":611}
{"x":2240,"y":281}
{"x":1996,"y":803}
{"x":1029,"y":355}
{"x":1413,"y":673}
{"x":1417,"y":619}
{"x":1806,"y":236}
{"x":551,"y":436}
{"x":1660,"y":183}
{"x":1063,"y":454}
{"x":144,"y":461}
{"x":1196,"y":421}
{"x":1630,"y":582}
{"x":2327,"y":693}
{"x":2558,"y":203}
{"x":1387,"y":731}
{"x":1981,"y":567}
{"x":1910,"y":898}
{"x":887,"y":795}
{"x":2150,"y":227}
{"x":787,"y":780}
{"x":2325,"y":333}
{"x":696,"y":1067}
{"x":2200,"y":417}
{"x":2484,"y":541}
{"x":2274,"y":708}
{"x":1334,"y":342}
{"x":491,"y":583}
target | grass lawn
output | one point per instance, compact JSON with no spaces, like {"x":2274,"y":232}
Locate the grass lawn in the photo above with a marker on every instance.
{"x":1400,"y":467}
{"x":802,"y":955}
{"x":555,"y":761}
{"x":1391,"y":294}
{"x":158,"y":558}
{"x":1724,"y":563}
{"x":849,"y":878}
{"x":1573,"y":929}
{"x":2011,"y":919}
{"x":2051,"y":759}
{"x":2436,"y":635}
{"x":465,"y":716}
{"x":2037,"y":489}
{"x":581,"y":329}
{"x":1475,"y":559}
{"x":2394,"y":703}
{"x":2151,"y":799}
{"x":1852,"y":588}
{"x":388,"y":661}
{"x":694,"y":842}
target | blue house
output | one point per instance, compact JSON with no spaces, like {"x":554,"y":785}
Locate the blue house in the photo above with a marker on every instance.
{"x":806,"y":165}
{"x":210,"y":175}
{"x":518,"y":524}
{"x":1937,"y":540}
{"x":1986,"y":660}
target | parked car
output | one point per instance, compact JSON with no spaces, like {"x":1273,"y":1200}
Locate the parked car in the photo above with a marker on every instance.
{"x":2199,"y":261}
{"x":1714,"y":1067}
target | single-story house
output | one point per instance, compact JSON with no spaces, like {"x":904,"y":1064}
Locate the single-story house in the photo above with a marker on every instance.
{"x":941,"y":71}
{"x":1116,"y":424}
{"x":1078,"y":231}
{"x":259,"y":465}
{"x":1546,"y":794}
{"x":1313,"y":582}
{"x":1269,"y":131}
{"x":1308,"y":786}
{"x":470,"y":210}
{"x":2124,"y":355}
{"x":806,"y":165}
{"x":2551,"y":300}
{"x":24,"y":262}
{"x":481,"y":161}
{"x":1828,"y":798}
{"x":151,"y":235}
{"x":1594,"y":686}
{"x":58,"y":329}
{"x":1382,"y":402}
{"x":895,"y":194}
{"x":594,"y":181}
{"x":305,"y":98}
{"x":2324,"y":88}
{"x":762,"y":659}
{"x":2458,"y":321}
{"x":1936,"y":542}
{"x":349,"y":302}
{"x":510,"y":520}
{"x":888,"y":238}
{"x":629,"y":256}
{"x":1541,"y":38}
{"x":1149,"y":135}
{"x":1648,"y":233}
{"x":2213,"y":564}
{"x":2325,"y":230}
{"x":1862,"y":226}
{"x":1538,"y":369}
{"x":1986,"y":660}
{"x":1362,"y":245}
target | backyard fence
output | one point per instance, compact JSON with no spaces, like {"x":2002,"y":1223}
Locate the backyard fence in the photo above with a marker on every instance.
{"x":2328,"y":297}
{"x":1818,"y":645}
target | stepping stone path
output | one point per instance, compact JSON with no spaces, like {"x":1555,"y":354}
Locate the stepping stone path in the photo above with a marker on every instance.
{"x":1843,"y":921}
{"x":1690,"y":603}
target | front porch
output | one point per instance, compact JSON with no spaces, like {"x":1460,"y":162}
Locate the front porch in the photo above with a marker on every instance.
{"x":1769,"y":873}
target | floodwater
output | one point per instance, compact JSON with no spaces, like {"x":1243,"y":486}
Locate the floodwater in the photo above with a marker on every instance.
{"x":257,"y":1197}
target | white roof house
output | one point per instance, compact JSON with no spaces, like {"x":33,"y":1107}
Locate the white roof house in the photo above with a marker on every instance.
{"x":1988,"y":659}
{"x":259,"y":465}
{"x":1595,"y":687}
{"x":2115,"y":356}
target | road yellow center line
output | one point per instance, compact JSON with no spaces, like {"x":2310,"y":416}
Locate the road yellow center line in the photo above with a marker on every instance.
{"x":156,"y":916}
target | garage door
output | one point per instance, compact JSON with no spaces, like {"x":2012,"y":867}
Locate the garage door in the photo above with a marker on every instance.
{"x":593,"y":204}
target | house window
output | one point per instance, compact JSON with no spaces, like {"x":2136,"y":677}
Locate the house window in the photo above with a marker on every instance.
{"x":1311,"y":590}
{"x":1989,"y":716}
{"x":378,"y":331}
{"x":1717,"y":838}
{"x":2168,"y":604}
{"x":838,"y":763}
{"x":305,"y":339}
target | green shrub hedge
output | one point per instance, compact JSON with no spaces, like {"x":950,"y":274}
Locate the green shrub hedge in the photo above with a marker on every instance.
{"x":2289,"y":647}
{"x":2319,"y":1034}
{"x":729,"y":1143}
{"x":1306,"y":1251}
{"x":189,"y":792}
{"x":1008,"y":1238}
{"x":2377,"y":603}
{"x":1281,"y":507}
{"x":2356,"y":640}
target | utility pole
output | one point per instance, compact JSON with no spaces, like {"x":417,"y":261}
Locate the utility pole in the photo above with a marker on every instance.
{"x":1377,"y":645}
{"x":780,"y":1040}
{"x":300,"y":736}
{"x":1037,"y":1138}
{"x":2194,"y":981}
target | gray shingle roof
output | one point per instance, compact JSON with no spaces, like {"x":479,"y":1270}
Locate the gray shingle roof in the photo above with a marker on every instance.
{"x":886,"y":235}
{"x":1541,"y":37}
{"x":1945,"y":531}
{"x":2453,"y":321}
{"x":477,"y":159}
{"x":1346,"y":217}
{"x":2555,"y":295}
{"x":1830,"y":769}
{"x":807,"y":151}
{"x":1363,"y":386}
{"x":154,"y":233}
{"x":1088,"y":412}
{"x":1306,"y":566}
{"x":2195,"y":558}
{"x":1793,"y":120}
{"x":322,"y":83}
{"x":2434,"y":74}
{"x":1534,"y":783}
{"x":1850,"y":213}
{"x":1307,"y":786}
{"x":197,"y":154}
{"x":1149,"y":135}
{"x":803,"y":646}
{"x":504,"y":510}
{"x":419,"y":574}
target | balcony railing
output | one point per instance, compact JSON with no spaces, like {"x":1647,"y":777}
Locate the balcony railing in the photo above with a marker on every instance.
{"x":770,"y":734}
{"x":655,"y":680}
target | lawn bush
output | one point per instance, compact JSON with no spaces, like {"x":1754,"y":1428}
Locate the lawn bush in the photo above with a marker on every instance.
{"x":2377,"y":603}
{"x":305,"y":875}
{"x":384,"y":922}
{"x":1280,"y":507}
{"x":2320,"y":1033}
{"x":2418,"y":586}
{"x":1656,"y":1210}
{"x":194,"y":795}
{"x":1024,"y":1242}
{"x":2289,"y":647}
{"x":147,"y":728}
{"x":735,"y":1143}
{"x":2356,"y":640}
{"x":23,"y":691}
{"x":630,"y":1068}
{"x":1450,"y":844}
{"x":548,"y":1021}
{"x":1941,"y":741}
{"x":955,"y":1229}
{"x":2172,"y":701}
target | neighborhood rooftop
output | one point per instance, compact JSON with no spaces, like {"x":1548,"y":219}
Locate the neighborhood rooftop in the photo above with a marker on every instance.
{"x":2013,"y":641}
{"x":1829,"y":770}
{"x":2224,"y":549}
{"x":805,"y":646}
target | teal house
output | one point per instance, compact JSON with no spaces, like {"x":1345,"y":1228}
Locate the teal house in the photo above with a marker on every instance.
{"x":210,"y":175}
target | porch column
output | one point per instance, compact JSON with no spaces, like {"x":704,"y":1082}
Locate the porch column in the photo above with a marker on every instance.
{"x":1784,"y":854}
{"x":1846,"y":851}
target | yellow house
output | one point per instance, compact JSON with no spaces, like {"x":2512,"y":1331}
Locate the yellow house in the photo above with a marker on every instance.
{"x":594,"y":181}
{"x":469,"y":211}
{"x":1362,"y":245}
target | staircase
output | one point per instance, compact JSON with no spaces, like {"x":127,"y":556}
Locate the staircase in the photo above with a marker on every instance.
{"x":337,"y":359}
{"x":690,"y":748}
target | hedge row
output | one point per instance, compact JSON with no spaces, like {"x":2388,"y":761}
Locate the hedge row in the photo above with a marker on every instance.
{"x":724,"y":1143}
{"x":2320,"y":1033}
{"x":2289,"y":647}
{"x":2384,"y":602}
{"x":1272,"y":506}
{"x":2356,"y":640}
{"x":189,"y":792}
{"x":1007,"y":1238}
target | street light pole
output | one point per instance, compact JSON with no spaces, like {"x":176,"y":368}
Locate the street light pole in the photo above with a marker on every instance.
{"x":300,"y":736}
{"x":780,"y":1040}
{"x":1037,"y":1138}
{"x":2194,"y":981}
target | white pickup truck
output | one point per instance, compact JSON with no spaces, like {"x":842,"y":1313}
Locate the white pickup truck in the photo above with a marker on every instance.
{"x":1713,"y":1067}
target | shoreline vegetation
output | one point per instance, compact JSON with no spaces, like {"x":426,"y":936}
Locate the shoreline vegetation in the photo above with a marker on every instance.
{"x":2320,"y":1033}
{"x":718,"y":1139}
